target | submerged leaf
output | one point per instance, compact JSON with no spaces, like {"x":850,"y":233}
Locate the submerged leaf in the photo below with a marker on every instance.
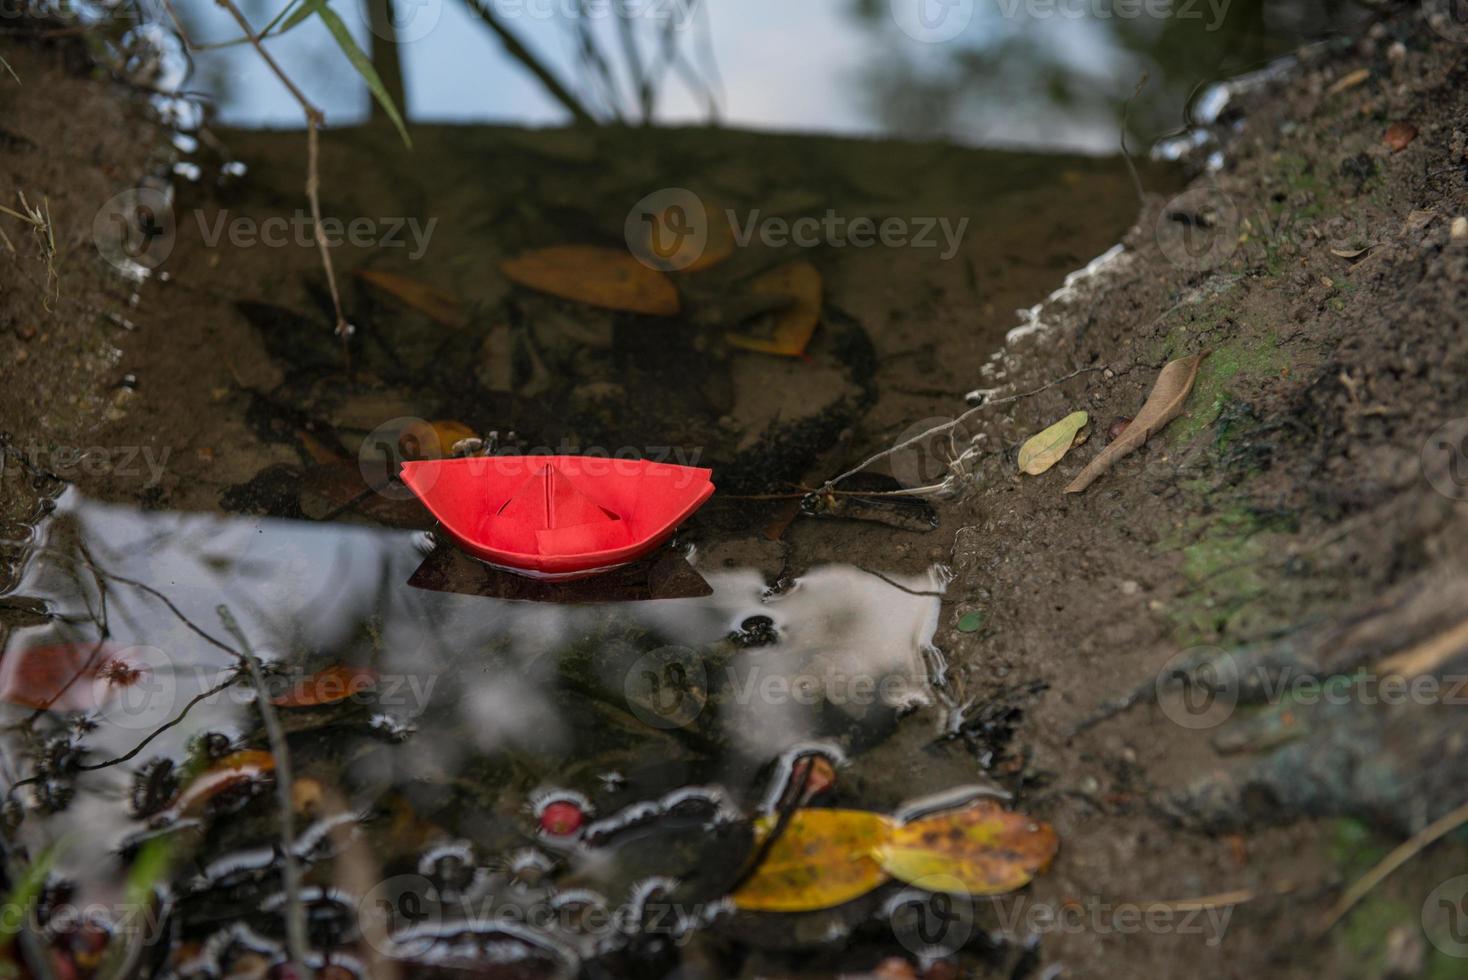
{"x":233,"y":770}
{"x":793,"y":325}
{"x":981,"y":849}
{"x":1163,"y":405}
{"x":686,"y":255}
{"x":68,"y":676}
{"x":822,"y":858}
{"x":327,"y":686}
{"x":435,"y":303}
{"x":1046,"y":448}
{"x":432,"y":440}
{"x":604,"y":277}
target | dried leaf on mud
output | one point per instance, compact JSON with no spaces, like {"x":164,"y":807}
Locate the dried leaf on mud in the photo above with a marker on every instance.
{"x":1164,"y":404}
{"x":1399,"y":136}
{"x":795,"y":324}
{"x":1046,"y":448}
{"x":435,"y":303}
{"x":1348,"y":81}
{"x":327,"y":686}
{"x":68,"y":676}
{"x":822,"y":858}
{"x":982,"y":849}
{"x":604,"y":277}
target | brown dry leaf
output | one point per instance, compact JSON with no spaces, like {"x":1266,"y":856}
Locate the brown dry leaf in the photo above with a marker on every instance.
{"x":70,"y":676}
{"x":437,"y":305}
{"x":328,"y":686}
{"x":822,"y":858}
{"x":1046,"y":448}
{"x":1399,"y":136}
{"x":1163,"y":405}
{"x":1350,"y":80}
{"x":794,"y":324}
{"x":232,"y":770}
{"x":982,"y":849}
{"x":1417,"y":220}
{"x":609,"y":278}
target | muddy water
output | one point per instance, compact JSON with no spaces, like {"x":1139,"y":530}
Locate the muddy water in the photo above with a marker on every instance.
{"x":658,"y":710}
{"x":663,"y":721}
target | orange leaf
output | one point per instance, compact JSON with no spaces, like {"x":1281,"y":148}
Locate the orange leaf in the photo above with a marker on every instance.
{"x":795,"y":324}
{"x":982,"y":849}
{"x":228,"y":772}
{"x":436,"y":304}
{"x":605,"y":277}
{"x":68,"y":676}
{"x":432,"y":440}
{"x":327,"y":686}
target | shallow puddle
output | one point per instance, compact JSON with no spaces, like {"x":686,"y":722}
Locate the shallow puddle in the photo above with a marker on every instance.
{"x":461,"y":763}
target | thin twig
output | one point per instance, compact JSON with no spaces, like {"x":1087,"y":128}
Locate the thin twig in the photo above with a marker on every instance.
{"x":1125,"y":153}
{"x":314,"y":119}
{"x":517,"y":50}
{"x":295,"y":919}
{"x":950,"y":426}
{"x":1408,"y":849}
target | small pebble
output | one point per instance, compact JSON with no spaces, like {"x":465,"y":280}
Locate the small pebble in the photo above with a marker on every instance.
{"x":1130,"y":588}
{"x":1117,"y":427}
{"x":1396,"y":52}
{"x":26,"y":332}
{"x":21,"y":355}
{"x":1459,"y":228}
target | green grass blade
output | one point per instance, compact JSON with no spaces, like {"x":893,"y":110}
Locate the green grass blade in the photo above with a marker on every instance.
{"x":361,"y":62}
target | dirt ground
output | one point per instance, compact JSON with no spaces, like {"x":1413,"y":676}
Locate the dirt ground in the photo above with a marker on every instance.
{"x":1302,"y":519}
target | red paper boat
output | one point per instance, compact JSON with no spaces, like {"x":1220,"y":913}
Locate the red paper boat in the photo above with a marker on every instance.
{"x":557,"y":516}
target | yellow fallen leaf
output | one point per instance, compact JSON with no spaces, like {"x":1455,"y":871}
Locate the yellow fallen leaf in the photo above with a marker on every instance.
{"x":822,"y":858}
{"x":1347,"y":81}
{"x":1046,"y":448}
{"x":686,"y":255}
{"x":1164,"y":404}
{"x":794,"y":324}
{"x":435,"y":303}
{"x":982,"y":849}
{"x":432,"y":440}
{"x":604,"y":277}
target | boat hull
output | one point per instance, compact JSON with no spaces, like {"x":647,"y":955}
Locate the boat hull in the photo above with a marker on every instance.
{"x":557,"y":517}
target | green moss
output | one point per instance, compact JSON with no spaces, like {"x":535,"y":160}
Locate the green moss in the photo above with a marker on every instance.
{"x":1222,"y":555}
{"x":1217,"y":380}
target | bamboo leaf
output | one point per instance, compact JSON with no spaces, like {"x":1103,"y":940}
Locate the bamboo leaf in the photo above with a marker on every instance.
{"x":359,"y":61}
{"x":1164,"y":404}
